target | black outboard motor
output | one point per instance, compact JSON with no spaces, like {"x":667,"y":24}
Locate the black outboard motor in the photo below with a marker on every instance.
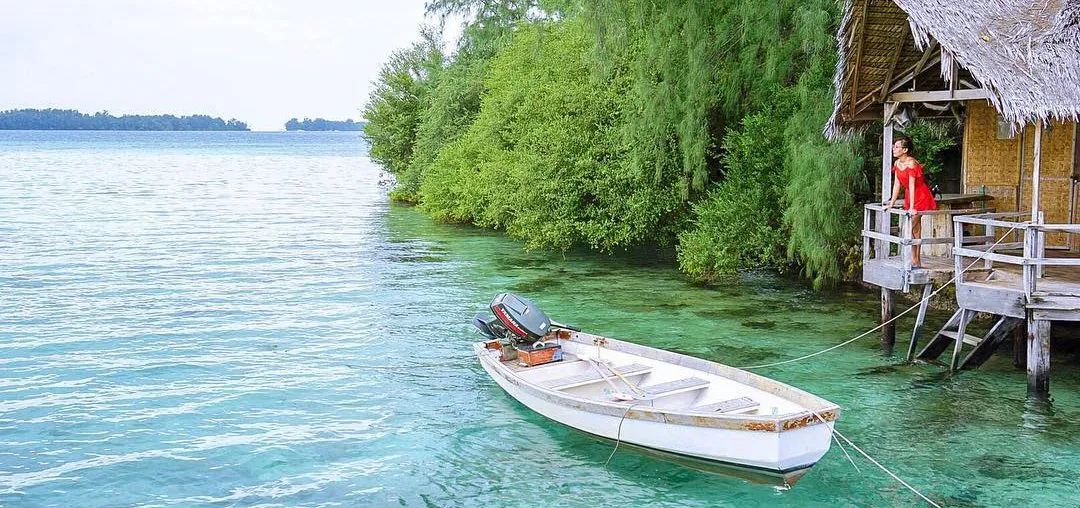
{"x":522,"y":319}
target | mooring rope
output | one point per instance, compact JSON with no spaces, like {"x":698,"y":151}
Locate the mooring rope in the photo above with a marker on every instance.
{"x":835,"y":432}
{"x":882,"y":325}
{"x":618,"y":433}
{"x":883,"y":468}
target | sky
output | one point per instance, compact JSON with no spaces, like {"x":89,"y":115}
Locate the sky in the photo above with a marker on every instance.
{"x":259,"y":61}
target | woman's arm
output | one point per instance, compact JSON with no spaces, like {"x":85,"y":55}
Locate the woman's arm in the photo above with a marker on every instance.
{"x":895,"y":192}
{"x":911,"y":191}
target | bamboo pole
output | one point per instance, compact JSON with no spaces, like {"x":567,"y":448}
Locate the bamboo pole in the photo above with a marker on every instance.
{"x":1035,"y":172}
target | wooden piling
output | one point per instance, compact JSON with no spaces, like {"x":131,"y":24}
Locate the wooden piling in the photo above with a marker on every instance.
{"x":1038,"y":355}
{"x":888,"y":332}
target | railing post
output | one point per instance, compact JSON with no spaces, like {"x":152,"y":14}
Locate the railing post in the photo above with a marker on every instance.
{"x":1029,"y":269}
{"x":992,"y":233}
{"x":865,"y":239}
{"x":1040,"y":246}
{"x":905,"y":234}
{"x":958,"y":260}
{"x":884,"y":226}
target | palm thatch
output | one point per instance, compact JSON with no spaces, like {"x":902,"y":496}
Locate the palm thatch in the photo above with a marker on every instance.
{"x":1024,"y":53}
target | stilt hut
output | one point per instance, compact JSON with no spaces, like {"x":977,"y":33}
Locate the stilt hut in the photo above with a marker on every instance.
{"x":1009,"y":70}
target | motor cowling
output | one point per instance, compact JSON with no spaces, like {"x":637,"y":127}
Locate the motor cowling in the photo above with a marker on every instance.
{"x":521,"y":318}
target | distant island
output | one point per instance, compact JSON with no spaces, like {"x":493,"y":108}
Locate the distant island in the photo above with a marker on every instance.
{"x":70,"y":119}
{"x":321,"y":124}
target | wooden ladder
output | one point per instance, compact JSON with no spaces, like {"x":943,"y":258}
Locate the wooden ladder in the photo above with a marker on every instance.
{"x":955,"y":332}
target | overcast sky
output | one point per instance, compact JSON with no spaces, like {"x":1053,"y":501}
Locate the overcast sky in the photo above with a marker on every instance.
{"x":260,"y":61}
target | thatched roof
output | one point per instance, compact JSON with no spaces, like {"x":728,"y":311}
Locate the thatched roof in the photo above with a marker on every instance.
{"x":1024,"y":53}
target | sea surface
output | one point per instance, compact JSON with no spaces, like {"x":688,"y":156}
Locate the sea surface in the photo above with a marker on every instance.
{"x":244,"y":319}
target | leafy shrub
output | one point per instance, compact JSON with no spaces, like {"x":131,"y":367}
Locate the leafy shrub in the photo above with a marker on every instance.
{"x":739,"y":223}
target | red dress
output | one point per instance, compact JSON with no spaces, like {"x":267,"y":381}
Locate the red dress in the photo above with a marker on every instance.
{"x":924,"y":200}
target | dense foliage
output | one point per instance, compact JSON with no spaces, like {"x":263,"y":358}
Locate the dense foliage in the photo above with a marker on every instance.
{"x":70,"y":119}
{"x":617,"y":123}
{"x":320,"y":124}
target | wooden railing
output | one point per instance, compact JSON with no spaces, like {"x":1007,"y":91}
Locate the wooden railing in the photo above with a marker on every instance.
{"x":1027,"y":235}
{"x":878,"y":226}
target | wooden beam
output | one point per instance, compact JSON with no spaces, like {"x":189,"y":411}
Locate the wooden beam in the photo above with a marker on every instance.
{"x":1035,"y":172}
{"x":897,"y":49}
{"x":940,"y":95}
{"x":920,"y":65}
{"x":858,"y":55}
{"x":884,"y":219}
{"x":868,"y":99}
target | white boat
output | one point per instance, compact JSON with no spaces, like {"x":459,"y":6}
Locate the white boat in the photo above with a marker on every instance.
{"x":665,"y":401}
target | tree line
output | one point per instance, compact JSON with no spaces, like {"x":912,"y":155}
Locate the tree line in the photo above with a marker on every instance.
{"x":321,"y":124}
{"x":70,"y":119}
{"x":693,"y":126}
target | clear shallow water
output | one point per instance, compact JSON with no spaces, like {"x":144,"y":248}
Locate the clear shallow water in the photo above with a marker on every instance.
{"x":240,"y":319}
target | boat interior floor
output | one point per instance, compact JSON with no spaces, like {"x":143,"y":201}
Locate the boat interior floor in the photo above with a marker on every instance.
{"x":591,"y":379}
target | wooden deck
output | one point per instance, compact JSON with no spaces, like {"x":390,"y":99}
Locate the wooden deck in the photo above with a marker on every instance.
{"x":1002,"y":267}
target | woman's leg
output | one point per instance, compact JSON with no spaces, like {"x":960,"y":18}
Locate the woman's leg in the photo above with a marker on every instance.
{"x":916,"y":233}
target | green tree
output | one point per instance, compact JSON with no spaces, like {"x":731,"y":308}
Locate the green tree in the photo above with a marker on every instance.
{"x":393,"y":108}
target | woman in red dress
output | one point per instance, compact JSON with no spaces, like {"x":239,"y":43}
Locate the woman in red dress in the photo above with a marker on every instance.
{"x":917,"y":196}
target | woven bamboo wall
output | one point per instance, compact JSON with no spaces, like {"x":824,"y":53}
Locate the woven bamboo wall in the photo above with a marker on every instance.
{"x":995,"y":164}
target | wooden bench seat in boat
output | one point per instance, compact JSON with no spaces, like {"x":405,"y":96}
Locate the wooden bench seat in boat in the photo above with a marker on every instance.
{"x":727,"y":406}
{"x":675,"y":387}
{"x":588,"y":378}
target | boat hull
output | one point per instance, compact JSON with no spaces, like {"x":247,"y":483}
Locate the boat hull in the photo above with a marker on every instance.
{"x":743,"y":443}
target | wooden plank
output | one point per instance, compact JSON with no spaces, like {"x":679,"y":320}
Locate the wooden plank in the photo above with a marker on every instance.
{"x":993,"y":256}
{"x":588,"y":378}
{"x":1038,"y":356}
{"x":940,"y":95}
{"x":1056,"y":228}
{"x":1055,"y":262}
{"x":908,"y":74}
{"x":727,"y":406}
{"x":675,"y":387}
{"x":980,"y":297}
{"x":969,"y":339}
{"x":880,"y":274}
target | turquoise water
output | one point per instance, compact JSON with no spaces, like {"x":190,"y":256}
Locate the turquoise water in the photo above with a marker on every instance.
{"x":243,"y":319}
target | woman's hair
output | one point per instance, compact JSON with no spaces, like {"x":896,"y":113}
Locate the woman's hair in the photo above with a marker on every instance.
{"x":907,"y":143}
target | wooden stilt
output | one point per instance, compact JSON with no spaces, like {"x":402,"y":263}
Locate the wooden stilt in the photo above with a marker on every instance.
{"x":1038,"y":355}
{"x":888,"y":332}
{"x":919,"y":320}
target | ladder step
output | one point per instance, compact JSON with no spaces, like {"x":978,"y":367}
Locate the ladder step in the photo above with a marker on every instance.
{"x":969,"y":339}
